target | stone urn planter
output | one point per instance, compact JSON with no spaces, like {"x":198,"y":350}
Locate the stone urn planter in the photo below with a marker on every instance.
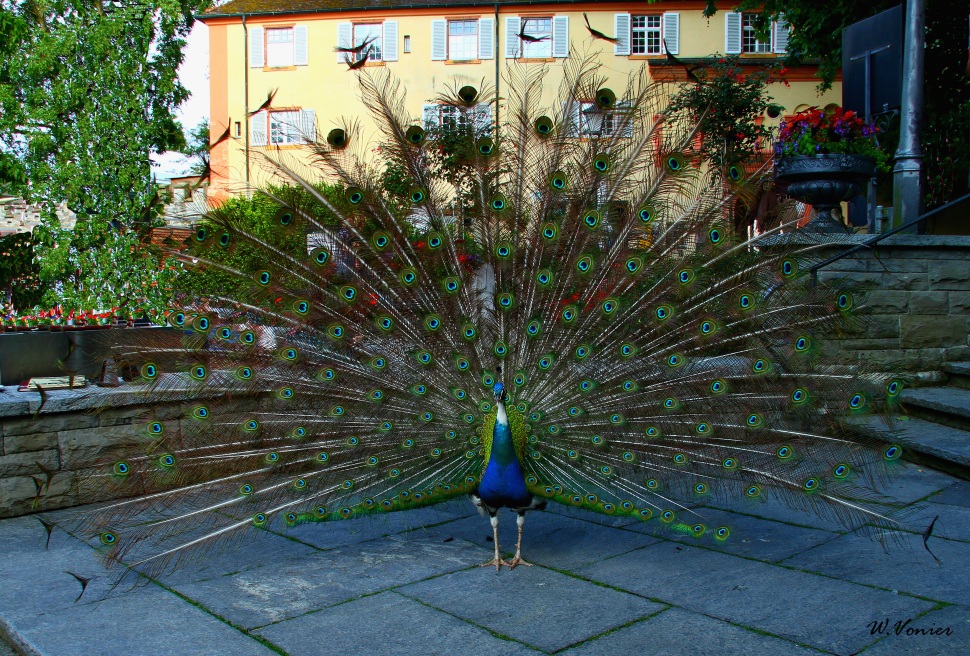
{"x":824,"y":181}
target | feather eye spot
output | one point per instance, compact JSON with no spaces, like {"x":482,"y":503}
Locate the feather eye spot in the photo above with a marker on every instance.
{"x":533,"y":328}
{"x":628,"y":350}
{"x":244,"y":373}
{"x":685,"y":276}
{"x":469,"y":332}
{"x":498,"y":203}
{"x":488,"y":380}
{"x":601,"y":163}
{"x":501,"y":349}
{"x":753,"y":491}
{"x":149,"y":371}
{"x":462,"y":364}
{"x":671,"y":403}
{"x":434,"y":241}
{"x":519,"y":380}
{"x":451,"y":284}
{"x":225,"y":333}
{"x":299,"y":432}
{"x":584,"y":264}
{"x":199,"y":372}
{"x":544,"y":277}
{"x":201,"y":234}
{"x":380,"y":240}
{"x":263,"y":278}
{"x":645,"y":514}
{"x":248,"y":338}
{"x":559,"y":181}
{"x":894,"y":388}
{"x":337,"y":411}
{"x":715,"y":235}
{"x":844,"y":301}
{"x":591,"y":219}
{"x":337,"y":138}
{"x":617,"y":419}
{"x":584,"y":386}
{"x":156,"y":428}
{"x":177,"y":319}
{"x":652,"y":432}
{"x":760,"y":366}
{"x":745,"y":302}
{"x":675,"y":360}
{"x":634,"y":264}
{"x":629,"y":386}
{"x":486,"y":146}
{"x":605,"y":98}
{"x":680,"y":459}
{"x":544,"y":126}
{"x":320,"y":256}
{"x":785,"y":453}
{"x":121,"y":468}
{"x":646,"y":213}
{"x":597,"y":440}
{"x":857,"y":402}
{"x":736,"y":172}
{"x":754,"y":420}
{"x":408,"y":276}
{"x":550,"y":231}
{"x":810,"y":484}
{"x":336,"y":331}
{"x":701,"y":488}
{"x":414,"y":135}
{"x":729,"y":463}
{"x":674,"y":162}
{"x":610,"y":306}
{"x":841,"y":471}
{"x":432,"y":322}
{"x":246,"y":490}
{"x":652,"y":484}
{"x":108,"y":538}
{"x":606,"y":470}
{"x":667,"y":516}
{"x":703,"y":428}
{"x":574,"y":411}
{"x":200,"y":412}
{"x":251,"y":426}
{"x":789,"y":268}
{"x":423,"y":357}
{"x":323,"y":456}
{"x":718,"y":387}
{"x":582,"y":351}
{"x":285,"y":393}
{"x":417,"y":195}
{"x":327,"y":375}
{"x":545,"y":362}
{"x":506,"y":300}
{"x":259,"y":520}
{"x":802,"y":344}
{"x":224,"y":239}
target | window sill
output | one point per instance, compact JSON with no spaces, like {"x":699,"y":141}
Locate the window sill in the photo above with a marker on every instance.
{"x":759,"y":55}
{"x":454,"y":62}
{"x":646,"y":57}
{"x":536,"y":60}
{"x":270,"y":69}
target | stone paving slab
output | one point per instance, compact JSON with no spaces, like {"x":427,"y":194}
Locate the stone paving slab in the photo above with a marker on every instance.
{"x":907,"y":567}
{"x":299,"y":585}
{"x":929,"y":642}
{"x":389,"y":624}
{"x":952,"y":522}
{"x":537,"y":606}
{"x":805,"y":608}
{"x":957,"y":494}
{"x":148,"y":621}
{"x":950,"y":400}
{"x":937,"y":440}
{"x":679,"y":632}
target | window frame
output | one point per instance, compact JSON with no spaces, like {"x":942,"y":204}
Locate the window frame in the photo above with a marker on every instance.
{"x":478,"y":40}
{"x":525,"y":46}
{"x":379,"y":25}
{"x":266,"y":49}
{"x":748,"y":35}
{"x":646,"y":30}
{"x":299,"y":141}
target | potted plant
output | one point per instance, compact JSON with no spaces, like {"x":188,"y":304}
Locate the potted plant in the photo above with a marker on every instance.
{"x":824,"y":158}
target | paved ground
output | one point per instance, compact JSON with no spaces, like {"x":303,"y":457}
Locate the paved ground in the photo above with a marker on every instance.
{"x":407,"y":583}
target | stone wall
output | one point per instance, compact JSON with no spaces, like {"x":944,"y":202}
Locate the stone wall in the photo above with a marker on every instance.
{"x":918,"y":304}
{"x":66,"y":438}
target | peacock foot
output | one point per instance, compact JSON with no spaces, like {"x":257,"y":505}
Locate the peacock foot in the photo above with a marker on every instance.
{"x":498,"y":562}
{"x":518,"y":561}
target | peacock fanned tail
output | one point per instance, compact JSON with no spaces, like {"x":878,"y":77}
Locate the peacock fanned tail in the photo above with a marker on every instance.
{"x":654,"y":359}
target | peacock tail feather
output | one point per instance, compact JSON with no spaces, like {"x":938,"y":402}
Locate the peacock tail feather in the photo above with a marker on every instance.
{"x":654,"y":359}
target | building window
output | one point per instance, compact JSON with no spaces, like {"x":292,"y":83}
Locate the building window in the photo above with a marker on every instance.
{"x":237,"y":131}
{"x":749,"y":42}
{"x":594,"y":122}
{"x":279,"y":47}
{"x":372,"y":34}
{"x":284,"y":128}
{"x":452,"y":119}
{"x":646,"y":36}
{"x":407,"y":43}
{"x":537,"y":28}
{"x":462,"y":39}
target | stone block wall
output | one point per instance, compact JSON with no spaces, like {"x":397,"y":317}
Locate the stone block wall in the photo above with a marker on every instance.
{"x":918,"y":303}
{"x":61,"y":443}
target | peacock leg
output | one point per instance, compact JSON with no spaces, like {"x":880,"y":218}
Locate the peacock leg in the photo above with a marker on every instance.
{"x":498,"y":562}
{"x":520,"y":521}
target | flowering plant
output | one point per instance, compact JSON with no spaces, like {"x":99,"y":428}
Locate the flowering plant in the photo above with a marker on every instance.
{"x":839,"y":132}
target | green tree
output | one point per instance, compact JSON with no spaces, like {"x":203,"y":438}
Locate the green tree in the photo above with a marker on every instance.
{"x":88,"y":92}
{"x":197,"y":146}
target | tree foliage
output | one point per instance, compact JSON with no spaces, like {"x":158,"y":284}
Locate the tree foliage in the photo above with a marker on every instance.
{"x":88,"y":91}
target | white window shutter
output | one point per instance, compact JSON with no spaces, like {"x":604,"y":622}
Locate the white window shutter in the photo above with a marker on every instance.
{"x":439,"y":40}
{"x":345,"y":39}
{"x":671,"y":32}
{"x":560,"y":36}
{"x":429,"y":116}
{"x":389,"y":47}
{"x":308,"y":125}
{"x":256,"y":58}
{"x":512,"y":45}
{"x":732,"y":33}
{"x":780,"y":33}
{"x":257,"y":129}
{"x":486,"y":38}
{"x":301,"y":51}
{"x":621,"y":30}
{"x":483,"y":118}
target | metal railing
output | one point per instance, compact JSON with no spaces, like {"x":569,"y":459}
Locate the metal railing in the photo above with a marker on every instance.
{"x":813,"y":271}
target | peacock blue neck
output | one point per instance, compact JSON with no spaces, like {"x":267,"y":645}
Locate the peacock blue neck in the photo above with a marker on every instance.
{"x":503,"y":483}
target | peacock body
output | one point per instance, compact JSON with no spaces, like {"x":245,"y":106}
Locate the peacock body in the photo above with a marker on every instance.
{"x":537,"y":318}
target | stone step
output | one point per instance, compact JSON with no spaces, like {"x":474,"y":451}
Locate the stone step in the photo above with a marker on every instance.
{"x":944,"y":405}
{"x":938,"y":446}
{"x":958,"y":374}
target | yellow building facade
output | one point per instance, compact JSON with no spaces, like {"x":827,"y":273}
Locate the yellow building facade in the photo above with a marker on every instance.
{"x":291,"y":47}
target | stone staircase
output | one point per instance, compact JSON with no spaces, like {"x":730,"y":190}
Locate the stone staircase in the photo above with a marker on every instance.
{"x":937,"y":431}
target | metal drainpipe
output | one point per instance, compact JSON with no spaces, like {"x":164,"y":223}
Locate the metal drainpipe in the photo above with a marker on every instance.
{"x":497,"y":33}
{"x":907,"y":187}
{"x":246,"y":96}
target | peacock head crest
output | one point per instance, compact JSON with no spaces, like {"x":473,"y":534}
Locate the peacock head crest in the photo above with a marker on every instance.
{"x":500,"y":394}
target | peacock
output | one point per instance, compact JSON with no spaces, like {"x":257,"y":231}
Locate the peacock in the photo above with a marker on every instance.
{"x":531,"y":304}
